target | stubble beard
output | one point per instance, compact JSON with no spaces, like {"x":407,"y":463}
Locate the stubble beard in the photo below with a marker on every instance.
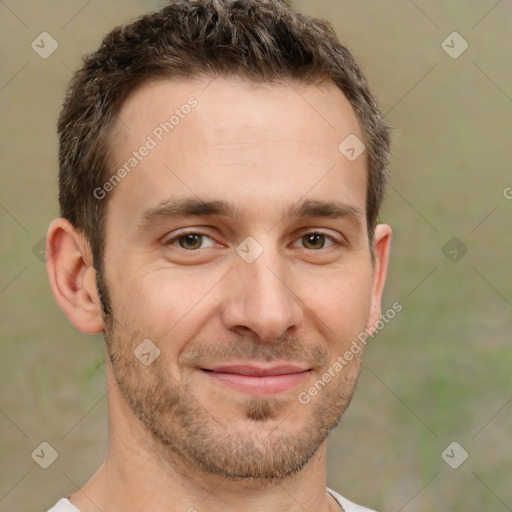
{"x":272,"y":449}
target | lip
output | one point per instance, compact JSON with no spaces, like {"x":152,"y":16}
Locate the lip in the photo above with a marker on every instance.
{"x":258,"y":380}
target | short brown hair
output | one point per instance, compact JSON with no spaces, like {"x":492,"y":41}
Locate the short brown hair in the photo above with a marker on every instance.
{"x":263,"y":41}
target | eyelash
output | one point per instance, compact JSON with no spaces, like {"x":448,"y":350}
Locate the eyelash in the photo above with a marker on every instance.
{"x":176,"y":237}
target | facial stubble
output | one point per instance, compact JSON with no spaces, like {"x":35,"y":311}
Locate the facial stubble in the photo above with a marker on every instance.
{"x":269,"y":447}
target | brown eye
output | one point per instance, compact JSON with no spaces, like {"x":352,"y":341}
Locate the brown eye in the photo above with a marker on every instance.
{"x":190,"y":241}
{"x":314,"y":240}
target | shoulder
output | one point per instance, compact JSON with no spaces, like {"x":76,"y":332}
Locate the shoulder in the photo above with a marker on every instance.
{"x":347,"y":505}
{"x":63,"y":505}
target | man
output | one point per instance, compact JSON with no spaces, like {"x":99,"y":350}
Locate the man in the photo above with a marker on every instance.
{"x":222,"y":165}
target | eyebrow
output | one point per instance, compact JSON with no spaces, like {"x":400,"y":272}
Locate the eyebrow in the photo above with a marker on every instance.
{"x":191,"y":206}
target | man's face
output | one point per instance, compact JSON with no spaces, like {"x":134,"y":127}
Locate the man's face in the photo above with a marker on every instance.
{"x":248,"y":303}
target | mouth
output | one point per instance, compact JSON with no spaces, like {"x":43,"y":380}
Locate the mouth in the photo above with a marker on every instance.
{"x":258,"y":380}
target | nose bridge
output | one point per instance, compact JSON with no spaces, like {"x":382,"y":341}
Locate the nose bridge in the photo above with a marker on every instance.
{"x":262,"y":298}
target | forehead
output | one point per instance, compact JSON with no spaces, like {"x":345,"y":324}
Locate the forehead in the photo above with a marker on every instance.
{"x":321,"y":113}
{"x":255,"y":145}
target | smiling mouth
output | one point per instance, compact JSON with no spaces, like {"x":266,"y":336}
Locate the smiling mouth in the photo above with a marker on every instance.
{"x":258,"y":380}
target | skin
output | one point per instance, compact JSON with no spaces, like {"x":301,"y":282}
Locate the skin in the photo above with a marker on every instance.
{"x":179,"y":438}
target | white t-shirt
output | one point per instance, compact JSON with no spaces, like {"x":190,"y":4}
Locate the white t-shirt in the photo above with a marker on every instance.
{"x":64,"y":505}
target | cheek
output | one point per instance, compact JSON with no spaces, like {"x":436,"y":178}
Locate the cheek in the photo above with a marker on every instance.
{"x":343,"y":306}
{"x":171,"y":308}
{"x":160,"y":306}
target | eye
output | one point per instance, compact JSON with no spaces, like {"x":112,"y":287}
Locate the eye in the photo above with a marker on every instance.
{"x":193,"y":241}
{"x":190,"y":241}
{"x":316,"y":240}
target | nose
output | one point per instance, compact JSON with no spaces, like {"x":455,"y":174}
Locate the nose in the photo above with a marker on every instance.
{"x":260,"y":299}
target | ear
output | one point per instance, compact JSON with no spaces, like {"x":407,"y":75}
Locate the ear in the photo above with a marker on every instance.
{"x":381,"y":245}
{"x":72,"y":277}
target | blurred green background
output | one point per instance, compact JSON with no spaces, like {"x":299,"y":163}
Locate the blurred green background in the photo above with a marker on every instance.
{"x":439,"y":372}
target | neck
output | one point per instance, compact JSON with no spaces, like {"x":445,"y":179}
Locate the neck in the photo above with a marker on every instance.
{"x":142,"y":473}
